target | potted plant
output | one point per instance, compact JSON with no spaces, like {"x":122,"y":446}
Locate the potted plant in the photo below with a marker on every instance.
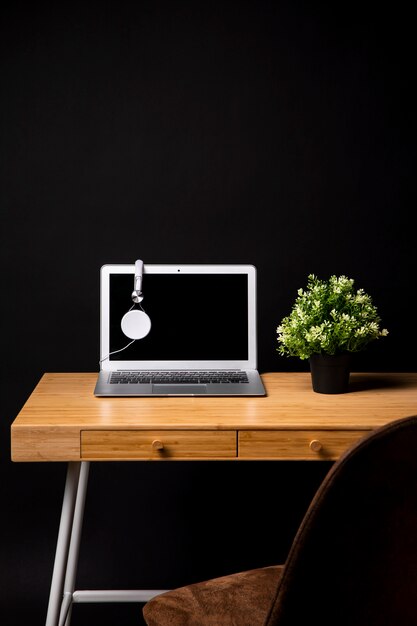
{"x":330,"y":320}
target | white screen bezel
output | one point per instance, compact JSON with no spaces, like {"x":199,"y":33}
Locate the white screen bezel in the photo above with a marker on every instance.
{"x":107,"y":270}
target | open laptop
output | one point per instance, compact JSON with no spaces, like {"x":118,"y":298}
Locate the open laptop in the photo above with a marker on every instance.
{"x":202,"y":338}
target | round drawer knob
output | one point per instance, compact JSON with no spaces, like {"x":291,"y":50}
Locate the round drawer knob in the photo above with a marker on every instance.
{"x":315,"y":445}
{"x":157,"y":444}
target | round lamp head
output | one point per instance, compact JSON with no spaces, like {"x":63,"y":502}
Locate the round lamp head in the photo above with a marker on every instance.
{"x":136,"y":324}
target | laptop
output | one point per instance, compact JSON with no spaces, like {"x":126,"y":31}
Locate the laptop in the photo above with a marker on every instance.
{"x":201,"y":331}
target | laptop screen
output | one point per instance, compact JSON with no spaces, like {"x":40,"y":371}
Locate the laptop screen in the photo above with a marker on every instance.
{"x":195,"y":317}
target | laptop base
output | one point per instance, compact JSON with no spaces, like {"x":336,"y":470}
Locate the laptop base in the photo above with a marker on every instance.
{"x":254,"y":387}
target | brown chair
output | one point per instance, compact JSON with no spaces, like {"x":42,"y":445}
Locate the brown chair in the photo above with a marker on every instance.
{"x":353,"y":561}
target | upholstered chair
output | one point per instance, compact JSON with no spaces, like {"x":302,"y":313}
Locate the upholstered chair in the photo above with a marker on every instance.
{"x":353,"y":561}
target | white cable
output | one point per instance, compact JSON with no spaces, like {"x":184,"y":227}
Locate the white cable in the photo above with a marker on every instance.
{"x":114,"y":351}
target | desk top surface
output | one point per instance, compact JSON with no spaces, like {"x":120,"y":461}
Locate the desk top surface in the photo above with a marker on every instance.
{"x":66,"y":401}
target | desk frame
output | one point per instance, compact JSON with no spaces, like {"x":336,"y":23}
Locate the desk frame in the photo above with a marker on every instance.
{"x":62,"y":593}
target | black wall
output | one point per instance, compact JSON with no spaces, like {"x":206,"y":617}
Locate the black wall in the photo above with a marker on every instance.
{"x":275,"y":133}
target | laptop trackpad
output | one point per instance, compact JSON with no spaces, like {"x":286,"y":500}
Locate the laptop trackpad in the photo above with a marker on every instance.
{"x":179,"y":389}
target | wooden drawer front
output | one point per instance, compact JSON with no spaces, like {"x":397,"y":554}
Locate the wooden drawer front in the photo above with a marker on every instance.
{"x":161,"y":444}
{"x":298,"y":445}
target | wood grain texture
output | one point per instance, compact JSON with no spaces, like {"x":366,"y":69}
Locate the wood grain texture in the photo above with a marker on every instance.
{"x":157,"y":445}
{"x":62,"y":405}
{"x":289,"y":444}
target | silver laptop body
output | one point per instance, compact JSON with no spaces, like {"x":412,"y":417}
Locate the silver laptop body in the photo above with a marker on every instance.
{"x":202,"y":340}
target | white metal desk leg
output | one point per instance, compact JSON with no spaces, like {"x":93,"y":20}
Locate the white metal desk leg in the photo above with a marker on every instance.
{"x":69,"y":585}
{"x":62,"y":547}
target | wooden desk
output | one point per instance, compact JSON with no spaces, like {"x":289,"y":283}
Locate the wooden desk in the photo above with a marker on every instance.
{"x":63,"y":421}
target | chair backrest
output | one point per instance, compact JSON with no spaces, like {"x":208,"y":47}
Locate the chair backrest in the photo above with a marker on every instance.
{"x":353,"y":561}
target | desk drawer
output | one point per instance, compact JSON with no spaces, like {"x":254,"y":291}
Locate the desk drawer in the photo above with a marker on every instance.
{"x":160,"y":444}
{"x":296,"y":444}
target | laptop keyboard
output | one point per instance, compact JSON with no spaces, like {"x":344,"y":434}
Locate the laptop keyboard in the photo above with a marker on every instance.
{"x":178,"y":377}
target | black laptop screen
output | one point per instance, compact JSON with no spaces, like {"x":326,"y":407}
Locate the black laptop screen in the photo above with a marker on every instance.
{"x":194,"y":317}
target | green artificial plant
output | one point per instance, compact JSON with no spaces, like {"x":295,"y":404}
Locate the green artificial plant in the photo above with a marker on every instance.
{"x":329,"y":317}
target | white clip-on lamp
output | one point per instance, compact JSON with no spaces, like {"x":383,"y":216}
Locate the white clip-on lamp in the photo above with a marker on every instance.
{"x":136,"y":324}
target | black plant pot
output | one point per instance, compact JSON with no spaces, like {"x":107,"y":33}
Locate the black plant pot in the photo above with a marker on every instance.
{"x":330,"y":372}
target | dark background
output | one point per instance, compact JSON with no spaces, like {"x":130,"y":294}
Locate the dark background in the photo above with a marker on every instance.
{"x":275,"y":133}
